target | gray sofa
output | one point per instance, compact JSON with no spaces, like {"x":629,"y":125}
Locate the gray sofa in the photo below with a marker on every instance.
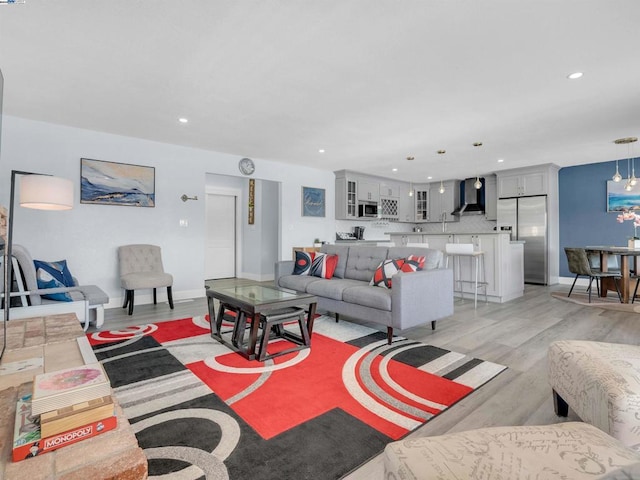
{"x":415,"y":299}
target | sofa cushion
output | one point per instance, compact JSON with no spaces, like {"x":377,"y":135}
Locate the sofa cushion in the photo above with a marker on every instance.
{"x":343,"y":252}
{"x":298,"y":283}
{"x":363,"y":262}
{"x":368,"y":296}
{"x":331,"y":288}
{"x":433,"y":258}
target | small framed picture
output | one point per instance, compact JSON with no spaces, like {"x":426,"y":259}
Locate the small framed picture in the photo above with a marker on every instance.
{"x":313,"y":202}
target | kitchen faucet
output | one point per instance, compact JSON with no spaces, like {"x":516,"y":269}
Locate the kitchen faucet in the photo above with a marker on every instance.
{"x":443,"y":217}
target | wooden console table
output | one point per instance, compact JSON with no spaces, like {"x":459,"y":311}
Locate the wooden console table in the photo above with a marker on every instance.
{"x":53,"y":339}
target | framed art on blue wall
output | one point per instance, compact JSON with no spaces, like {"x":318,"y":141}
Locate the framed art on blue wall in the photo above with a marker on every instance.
{"x":112,"y":183}
{"x":620,"y":200}
{"x":313,"y":202}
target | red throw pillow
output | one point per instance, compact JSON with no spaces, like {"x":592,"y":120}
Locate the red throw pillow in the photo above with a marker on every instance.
{"x":324,"y":265}
{"x":386,"y":270}
{"x":413,"y":263}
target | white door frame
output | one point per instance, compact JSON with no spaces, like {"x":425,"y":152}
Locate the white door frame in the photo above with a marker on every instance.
{"x":239,"y":209}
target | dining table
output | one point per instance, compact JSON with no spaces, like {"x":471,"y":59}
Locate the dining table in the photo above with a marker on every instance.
{"x":625,"y":253}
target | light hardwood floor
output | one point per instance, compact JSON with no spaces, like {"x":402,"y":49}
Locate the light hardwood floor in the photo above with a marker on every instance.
{"x":516,"y":334}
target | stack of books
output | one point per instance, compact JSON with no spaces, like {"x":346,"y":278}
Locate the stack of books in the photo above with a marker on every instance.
{"x":67,"y":406}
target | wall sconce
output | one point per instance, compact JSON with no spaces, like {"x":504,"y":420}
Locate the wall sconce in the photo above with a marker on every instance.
{"x":184,"y":197}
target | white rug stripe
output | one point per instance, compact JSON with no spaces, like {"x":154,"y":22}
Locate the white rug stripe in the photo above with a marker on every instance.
{"x":154,"y":394}
{"x":445,"y":364}
{"x":362,"y":397}
{"x":480,"y":374}
{"x":342,"y":331}
{"x":384,"y":372}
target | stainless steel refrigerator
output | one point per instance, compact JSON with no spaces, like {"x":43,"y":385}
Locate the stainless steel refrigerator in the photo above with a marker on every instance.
{"x":527,"y":217}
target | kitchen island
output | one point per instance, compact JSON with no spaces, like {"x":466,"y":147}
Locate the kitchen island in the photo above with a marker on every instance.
{"x":504,"y":260}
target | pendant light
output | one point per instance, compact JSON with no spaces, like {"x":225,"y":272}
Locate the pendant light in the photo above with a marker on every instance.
{"x":477,"y":184}
{"x":441,"y":189}
{"x":631,"y":180}
{"x":627,"y":186}
{"x":617,"y":177}
{"x":410,"y":158}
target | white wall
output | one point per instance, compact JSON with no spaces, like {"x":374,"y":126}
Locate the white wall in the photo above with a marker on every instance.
{"x":88,"y":235}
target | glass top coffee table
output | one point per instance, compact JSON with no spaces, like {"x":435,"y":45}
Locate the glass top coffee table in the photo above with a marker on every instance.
{"x":249,"y":302}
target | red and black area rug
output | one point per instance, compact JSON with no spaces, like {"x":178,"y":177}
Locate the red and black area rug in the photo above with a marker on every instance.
{"x":201,"y":411}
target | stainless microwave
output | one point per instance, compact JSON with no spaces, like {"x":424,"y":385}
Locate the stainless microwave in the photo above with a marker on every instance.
{"x":368,"y":210}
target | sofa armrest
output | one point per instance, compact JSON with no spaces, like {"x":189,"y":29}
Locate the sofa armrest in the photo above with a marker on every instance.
{"x":421,"y":297}
{"x":282,"y":268}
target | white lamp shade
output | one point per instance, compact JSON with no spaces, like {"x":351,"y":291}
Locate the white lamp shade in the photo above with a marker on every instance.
{"x":44,"y":192}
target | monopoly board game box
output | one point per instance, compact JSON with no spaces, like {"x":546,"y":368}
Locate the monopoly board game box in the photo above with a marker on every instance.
{"x":28,"y":442}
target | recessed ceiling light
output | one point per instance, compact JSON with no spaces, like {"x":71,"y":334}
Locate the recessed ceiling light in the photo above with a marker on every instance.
{"x":394,"y":169}
{"x":500,"y":160}
{"x":429,"y":177}
{"x":183,"y":120}
{"x":321,"y":150}
{"x":574,"y":75}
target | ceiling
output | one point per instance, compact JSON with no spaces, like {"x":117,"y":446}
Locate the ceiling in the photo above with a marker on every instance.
{"x":369,"y":81}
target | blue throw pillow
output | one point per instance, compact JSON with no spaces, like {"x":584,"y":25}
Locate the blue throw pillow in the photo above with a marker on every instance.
{"x":54,"y":275}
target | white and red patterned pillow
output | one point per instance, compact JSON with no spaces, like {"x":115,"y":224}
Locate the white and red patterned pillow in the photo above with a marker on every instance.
{"x":387,"y":269}
{"x":413,"y":263}
{"x":324,"y":265}
{"x":316,"y":264}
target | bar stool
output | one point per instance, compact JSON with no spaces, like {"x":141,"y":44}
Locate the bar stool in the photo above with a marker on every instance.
{"x":461,"y":250}
{"x":275,"y":319}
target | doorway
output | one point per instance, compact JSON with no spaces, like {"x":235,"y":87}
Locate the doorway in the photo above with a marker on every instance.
{"x":220,"y":252}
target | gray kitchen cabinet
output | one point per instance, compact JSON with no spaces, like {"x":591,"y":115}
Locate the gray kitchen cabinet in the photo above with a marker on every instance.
{"x":405,"y":205}
{"x":368,"y":191}
{"x":389,"y":189}
{"x":443,"y":204}
{"x":438,"y":241}
{"x":346,"y":203}
{"x":490,"y":197}
{"x":525,"y":182}
{"x":421,"y":199}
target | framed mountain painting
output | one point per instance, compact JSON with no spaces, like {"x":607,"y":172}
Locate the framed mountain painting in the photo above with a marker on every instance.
{"x":112,"y":183}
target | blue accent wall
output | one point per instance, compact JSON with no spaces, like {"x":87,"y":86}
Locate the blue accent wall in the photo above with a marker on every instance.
{"x":584,"y":219}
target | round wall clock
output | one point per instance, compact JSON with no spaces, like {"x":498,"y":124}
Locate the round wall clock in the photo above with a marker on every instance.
{"x":246,"y":166}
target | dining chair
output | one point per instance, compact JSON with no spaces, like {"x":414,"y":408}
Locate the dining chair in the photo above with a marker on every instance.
{"x":578,"y":262}
{"x":141,"y":268}
{"x":613,"y":262}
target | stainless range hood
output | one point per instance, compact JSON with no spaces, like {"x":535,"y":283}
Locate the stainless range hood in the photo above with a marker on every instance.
{"x":472,"y":202}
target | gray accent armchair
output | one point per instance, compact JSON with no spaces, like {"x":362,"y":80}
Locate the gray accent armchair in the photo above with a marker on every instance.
{"x":140,"y":268}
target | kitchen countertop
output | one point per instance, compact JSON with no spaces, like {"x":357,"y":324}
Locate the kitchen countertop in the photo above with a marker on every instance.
{"x":447,"y":233}
{"x":361,"y":241}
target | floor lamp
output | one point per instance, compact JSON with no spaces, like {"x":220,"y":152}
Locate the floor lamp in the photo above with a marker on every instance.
{"x":41,"y":192}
